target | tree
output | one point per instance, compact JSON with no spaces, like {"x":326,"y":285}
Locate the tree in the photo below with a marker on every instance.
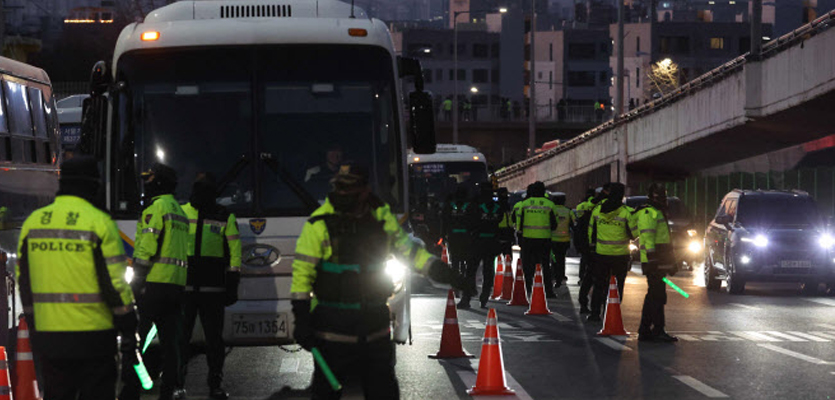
{"x":664,"y":77}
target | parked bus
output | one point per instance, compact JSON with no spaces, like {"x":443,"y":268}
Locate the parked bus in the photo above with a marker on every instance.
{"x":434,"y":177}
{"x":268,"y":96}
{"x":29,"y":159}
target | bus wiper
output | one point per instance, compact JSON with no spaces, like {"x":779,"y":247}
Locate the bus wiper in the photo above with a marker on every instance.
{"x":232,"y":173}
{"x":294,"y":185}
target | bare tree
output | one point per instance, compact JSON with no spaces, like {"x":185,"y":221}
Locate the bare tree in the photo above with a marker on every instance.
{"x":664,"y":77}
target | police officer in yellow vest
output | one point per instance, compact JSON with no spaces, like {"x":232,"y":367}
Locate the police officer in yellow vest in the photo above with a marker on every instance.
{"x":506,"y":232}
{"x":159,"y":265}
{"x":560,"y":240}
{"x":214,"y":265}
{"x":609,"y":236}
{"x":340,"y":287}
{"x":657,"y":260}
{"x":536,"y":219}
{"x":71,"y":273}
{"x":581,"y":225}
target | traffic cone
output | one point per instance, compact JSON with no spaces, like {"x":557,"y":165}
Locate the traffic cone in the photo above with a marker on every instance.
{"x":490,"y":379}
{"x":450,"y":337}
{"x":25,"y":382}
{"x":507,"y":285}
{"x":444,"y":254}
{"x":5,"y":382}
{"x":497,"y":282}
{"x":539,"y":306}
{"x":613,"y":321}
{"x":520,"y":294}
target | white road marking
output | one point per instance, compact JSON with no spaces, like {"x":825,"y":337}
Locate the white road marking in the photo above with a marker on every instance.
{"x":559,"y":317}
{"x":795,"y":354}
{"x":828,"y":302}
{"x":826,"y":326}
{"x":524,"y":325}
{"x":755,"y":336}
{"x":745,"y":306}
{"x":469,"y":378}
{"x":824,"y":335}
{"x":786,"y":336}
{"x":808,"y":336}
{"x":289,"y":366}
{"x":613,"y":344}
{"x":699,"y":386}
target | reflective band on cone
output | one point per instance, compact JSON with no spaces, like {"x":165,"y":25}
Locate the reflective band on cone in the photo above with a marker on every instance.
{"x":25,"y":381}
{"x":490,"y":380}
{"x":613,"y":321}
{"x":451,"y":337}
{"x":5,"y":382}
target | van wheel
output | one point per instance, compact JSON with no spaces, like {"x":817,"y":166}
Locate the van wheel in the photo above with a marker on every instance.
{"x":810,"y":289}
{"x":711,"y":281}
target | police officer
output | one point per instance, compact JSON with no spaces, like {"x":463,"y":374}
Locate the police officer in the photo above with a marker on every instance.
{"x":657,"y":260}
{"x":506,"y":232}
{"x":460,"y":219}
{"x":486,"y":241}
{"x":581,"y":242}
{"x":609,"y":236}
{"x":159,"y":264}
{"x":560,"y":240}
{"x":535,"y":219}
{"x":340,"y":264}
{"x":71,"y":273}
{"x":214,"y":264}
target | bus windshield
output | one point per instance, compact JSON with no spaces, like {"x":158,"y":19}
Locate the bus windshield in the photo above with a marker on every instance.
{"x":434,"y":181}
{"x":270,"y":122}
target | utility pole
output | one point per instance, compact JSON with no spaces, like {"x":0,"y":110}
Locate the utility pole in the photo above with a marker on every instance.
{"x":619,"y":72}
{"x":532,"y":85}
{"x":2,"y":26}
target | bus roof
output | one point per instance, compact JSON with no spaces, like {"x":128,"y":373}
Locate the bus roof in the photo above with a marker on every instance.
{"x":250,"y":22}
{"x":23,"y":71}
{"x":448,"y":153}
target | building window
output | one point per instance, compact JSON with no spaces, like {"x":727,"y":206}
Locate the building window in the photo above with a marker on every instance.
{"x":674,"y":45}
{"x":581,"y":78}
{"x":480,"y":76}
{"x":638,"y":44}
{"x":451,"y":75}
{"x":495,"y":76}
{"x":550,"y":79}
{"x":602,"y":76}
{"x":439,"y":75}
{"x":494,"y":50}
{"x":550,"y":52}
{"x":717,"y":43}
{"x":462,"y":74}
{"x":480,"y":51}
{"x":637,"y":77}
{"x":581,"y":51}
{"x":427,"y":76}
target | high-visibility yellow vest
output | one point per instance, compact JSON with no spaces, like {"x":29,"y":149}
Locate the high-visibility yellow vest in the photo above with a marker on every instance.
{"x":653,"y":230}
{"x":613,"y":233}
{"x":563,"y":215}
{"x":220,"y":247}
{"x":71,"y":269}
{"x":534,"y":217}
{"x":165,"y":261}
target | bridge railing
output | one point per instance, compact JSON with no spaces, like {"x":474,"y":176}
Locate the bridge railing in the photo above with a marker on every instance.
{"x":771,"y":48}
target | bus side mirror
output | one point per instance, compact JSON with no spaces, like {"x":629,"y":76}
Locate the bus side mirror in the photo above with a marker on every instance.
{"x":94,"y":113}
{"x":421,"y":110}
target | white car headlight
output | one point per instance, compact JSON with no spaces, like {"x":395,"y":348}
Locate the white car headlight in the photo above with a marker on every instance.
{"x":759,"y":240}
{"x":395,"y":270}
{"x":826,"y":241}
{"x":694,"y":246}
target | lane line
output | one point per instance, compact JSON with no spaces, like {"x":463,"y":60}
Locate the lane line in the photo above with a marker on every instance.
{"x":559,"y":317}
{"x":808,"y":336}
{"x":754,"y":336}
{"x":745,"y":306}
{"x":824,"y":335}
{"x":612,"y":344}
{"x":699,"y":386}
{"x":827,"y":326}
{"x":469,"y":378}
{"x":289,"y":366}
{"x":786,"y":336}
{"x":827,"y":302}
{"x":795,"y":354}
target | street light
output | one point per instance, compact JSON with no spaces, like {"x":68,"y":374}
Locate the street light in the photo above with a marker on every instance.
{"x":474,"y":89}
{"x":455,"y":68}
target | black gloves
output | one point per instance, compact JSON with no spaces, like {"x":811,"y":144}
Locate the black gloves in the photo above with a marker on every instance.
{"x":233,"y":279}
{"x":303,"y":330}
{"x":442,"y":273}
{"x":129,"y":345}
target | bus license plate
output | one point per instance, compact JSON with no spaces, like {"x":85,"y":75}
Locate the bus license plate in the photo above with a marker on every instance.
{"x":259,"y":325}
{"x":796,"y":264}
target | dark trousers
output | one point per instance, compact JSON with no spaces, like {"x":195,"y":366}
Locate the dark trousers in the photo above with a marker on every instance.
{"x":373,"y":363}
{"x":210,"y":307}
{"x":652,"y":315}
{"x":162,"y":305}
{"x":559,"y":249}
{"x":602,"y":268}
{"x":586,"y":279}
{"x":79,"y":378}
{"x":536,"y":251}
{"x":486,"y":257}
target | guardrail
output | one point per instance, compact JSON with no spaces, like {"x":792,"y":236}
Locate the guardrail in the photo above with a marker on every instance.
{"x":771,"y":48}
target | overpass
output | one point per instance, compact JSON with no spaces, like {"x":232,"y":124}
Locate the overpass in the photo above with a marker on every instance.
{"x":741,"y":109}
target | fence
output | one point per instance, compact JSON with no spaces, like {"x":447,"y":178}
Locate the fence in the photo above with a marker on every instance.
{"x":494,"y":113}
{"x":702,"y":195}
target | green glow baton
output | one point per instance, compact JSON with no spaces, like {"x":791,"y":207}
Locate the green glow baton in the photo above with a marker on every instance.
{"x":317,"y":356}
{"x":678,"y":289}
{"x":149,"y":338}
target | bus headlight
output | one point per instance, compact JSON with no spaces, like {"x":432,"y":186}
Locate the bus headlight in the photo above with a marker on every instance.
{"x":694,"y":246}
{"x":396,"y":271}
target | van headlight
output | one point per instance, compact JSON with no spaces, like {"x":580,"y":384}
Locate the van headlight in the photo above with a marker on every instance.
{"x":826,"y":241}
{"x":759,"y":240}
{"x":396,"y":271}
{"x":694,"y":246}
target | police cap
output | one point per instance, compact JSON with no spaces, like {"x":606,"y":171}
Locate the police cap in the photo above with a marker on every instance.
{"x":350,"y":175}
{"x":161,"y":172}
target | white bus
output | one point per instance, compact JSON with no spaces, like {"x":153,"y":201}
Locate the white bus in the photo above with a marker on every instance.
{"x":29,"y":159}
{"x":433,"y":177}
{"x":268,"y":96}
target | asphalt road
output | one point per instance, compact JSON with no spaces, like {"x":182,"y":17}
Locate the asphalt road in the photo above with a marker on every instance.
{"x":771,"y":343}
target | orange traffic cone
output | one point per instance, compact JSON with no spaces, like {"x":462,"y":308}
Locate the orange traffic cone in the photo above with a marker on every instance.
{"x":497,"y":282}
{"x":450,"y":337}
{"x":520,"y":294}
{"x":539,"y":306}
{"x":507,"y":285}
{"x":444,"y":254}
{"x":490,"y":380}
{"x":25,"y":382}
{"x":5,"y":387}
{"x":613,"y":321}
